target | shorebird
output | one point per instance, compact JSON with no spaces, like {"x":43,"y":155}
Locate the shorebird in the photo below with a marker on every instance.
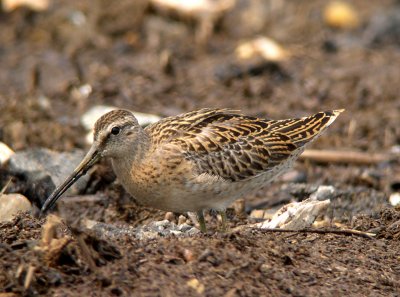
{"x":199,"y":160}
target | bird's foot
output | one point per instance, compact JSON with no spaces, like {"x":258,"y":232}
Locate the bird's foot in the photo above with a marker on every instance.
{"x":202,"y":223}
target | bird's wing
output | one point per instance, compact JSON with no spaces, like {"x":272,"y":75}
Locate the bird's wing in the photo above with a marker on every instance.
{"x":233,"y":146}
{"x":173,"y":127}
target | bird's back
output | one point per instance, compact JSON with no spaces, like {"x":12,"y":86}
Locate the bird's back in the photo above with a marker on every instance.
{"x":236,"y":147}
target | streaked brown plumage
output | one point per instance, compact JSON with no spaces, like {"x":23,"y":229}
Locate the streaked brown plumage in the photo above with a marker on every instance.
{"x":203,"y":159}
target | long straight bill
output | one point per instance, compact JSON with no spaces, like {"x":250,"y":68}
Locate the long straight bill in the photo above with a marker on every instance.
{"x":88,"y":161}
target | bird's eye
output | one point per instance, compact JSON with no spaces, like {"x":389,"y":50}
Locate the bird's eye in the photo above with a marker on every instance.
{"x":115,"y":130}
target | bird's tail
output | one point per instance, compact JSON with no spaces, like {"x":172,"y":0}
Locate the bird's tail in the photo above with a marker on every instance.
{"x":304,"y":130}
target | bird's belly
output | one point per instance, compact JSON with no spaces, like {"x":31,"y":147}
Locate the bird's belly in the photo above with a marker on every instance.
{"x":179,"y":196}
{"x":180,"y":191}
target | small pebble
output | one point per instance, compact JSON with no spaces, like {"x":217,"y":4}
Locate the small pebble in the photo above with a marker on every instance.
{"x":170,"y":217}
{"x":176,"y":232}
{"x":265,"y":268}
{"x":184,"y":227}
{"x":323,"y":192}
{"x":257,"y":214}
{"x":36,"y":5}
{"x":294,"y":176}
{"x":188,"y":255}
{"x":240,"y":207}
{"x":5,"y":153}
{"x":181,"y":220}
{"x":195,"y":284}
{"x":341,"y":15}
{"x":11,"y":204}
{"x":163,"y":223}
{"x":263,"y":47}
{"x":394,"y":199}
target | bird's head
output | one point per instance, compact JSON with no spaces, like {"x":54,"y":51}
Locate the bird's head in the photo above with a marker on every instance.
{"x":117,"y":134}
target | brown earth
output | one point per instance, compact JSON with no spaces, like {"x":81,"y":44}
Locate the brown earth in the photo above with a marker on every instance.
{"x":117,"y":49}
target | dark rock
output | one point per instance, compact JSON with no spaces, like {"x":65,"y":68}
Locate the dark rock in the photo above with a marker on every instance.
{"x":44,"y":170}
{"x":229,"y":72}
{"x":56,"y":74}
{"x":330,"y":46}
{"x":384,"y":28}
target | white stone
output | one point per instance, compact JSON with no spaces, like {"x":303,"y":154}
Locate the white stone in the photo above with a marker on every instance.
{"x":5,"y":153}
{"x":394,"y":199}
{"x":11,"y":204}
{"x":37,"y":5}
{"x":194,"y":6}
{"x":323,"y":192}
{"x":296,"y":215}
{"x":395,"y":149}
{"x":263,"y":47}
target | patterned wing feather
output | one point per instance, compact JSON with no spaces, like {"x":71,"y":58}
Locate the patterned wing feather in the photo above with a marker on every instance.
{"x":234,"y":146}
{"x":175,"y":126}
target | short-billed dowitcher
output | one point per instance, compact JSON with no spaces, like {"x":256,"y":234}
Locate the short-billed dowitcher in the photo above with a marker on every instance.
{"x":199,"y":160}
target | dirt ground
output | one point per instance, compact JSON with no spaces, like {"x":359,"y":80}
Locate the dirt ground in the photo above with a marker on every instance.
{"x":118,"y":48}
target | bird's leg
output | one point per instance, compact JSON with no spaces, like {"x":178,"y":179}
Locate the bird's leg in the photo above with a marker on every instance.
{"x":222,"y":213}
{"x":202,"y":223}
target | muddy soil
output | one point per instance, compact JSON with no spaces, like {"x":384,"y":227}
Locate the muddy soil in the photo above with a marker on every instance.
{"x":118,"y":51}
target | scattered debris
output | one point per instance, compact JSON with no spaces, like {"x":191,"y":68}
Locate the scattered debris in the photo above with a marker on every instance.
{"x":240,"y":207}
{"x":37,"y":5}
{"x":29,"y":276}
{"x":346,"y":157}
{"x":188,"y":255}
{"x":84,"y":199}
{"x":81,"y":92}
{"x":170,"y":216}
{"x":51,"y":245}
{"x":160,"y":31}
{"x":193,"y":8}
{"x":323,"y":192}
{"x":322,"y":231}
{"x":261,"y":47}
{"x":394,"y":199}
{"x":254,"y":16}
{"x":152,"y":230}
{"x":228,"y":72}
{"x":55,"y":73}
{"x":260,"y":214}
{"x":182,"y":220}
{"x":12,"y":204}
{"x":166,"y":62}
{"x":341,"y":15}
{"x":296,"y":215}
{"x":294,"y":176}
{"x":196,"y":285}
{"x":383,"y":28}
{"x":5,"y":153}
{"x":204,"y":12}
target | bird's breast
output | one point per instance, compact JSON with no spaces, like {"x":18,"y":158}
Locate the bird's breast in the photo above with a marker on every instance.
{"x":159,"y":182}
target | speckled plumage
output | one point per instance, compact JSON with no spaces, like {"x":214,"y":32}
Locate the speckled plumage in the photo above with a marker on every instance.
{"x":203,"y":159}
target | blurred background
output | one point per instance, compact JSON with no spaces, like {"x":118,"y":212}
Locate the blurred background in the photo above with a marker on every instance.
{"x":270,"y":58}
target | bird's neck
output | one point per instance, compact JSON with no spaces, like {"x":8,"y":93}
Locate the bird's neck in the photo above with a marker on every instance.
{"x":134,"y":149}
{"x":141,"y":146}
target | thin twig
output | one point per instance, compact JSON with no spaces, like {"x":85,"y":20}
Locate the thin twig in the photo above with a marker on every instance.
{"x":29,"y":276}
{"x":84,"y":249}
{"x":322,"y":231}
{"x":5,"y":187}
{"x":346,"y":157}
